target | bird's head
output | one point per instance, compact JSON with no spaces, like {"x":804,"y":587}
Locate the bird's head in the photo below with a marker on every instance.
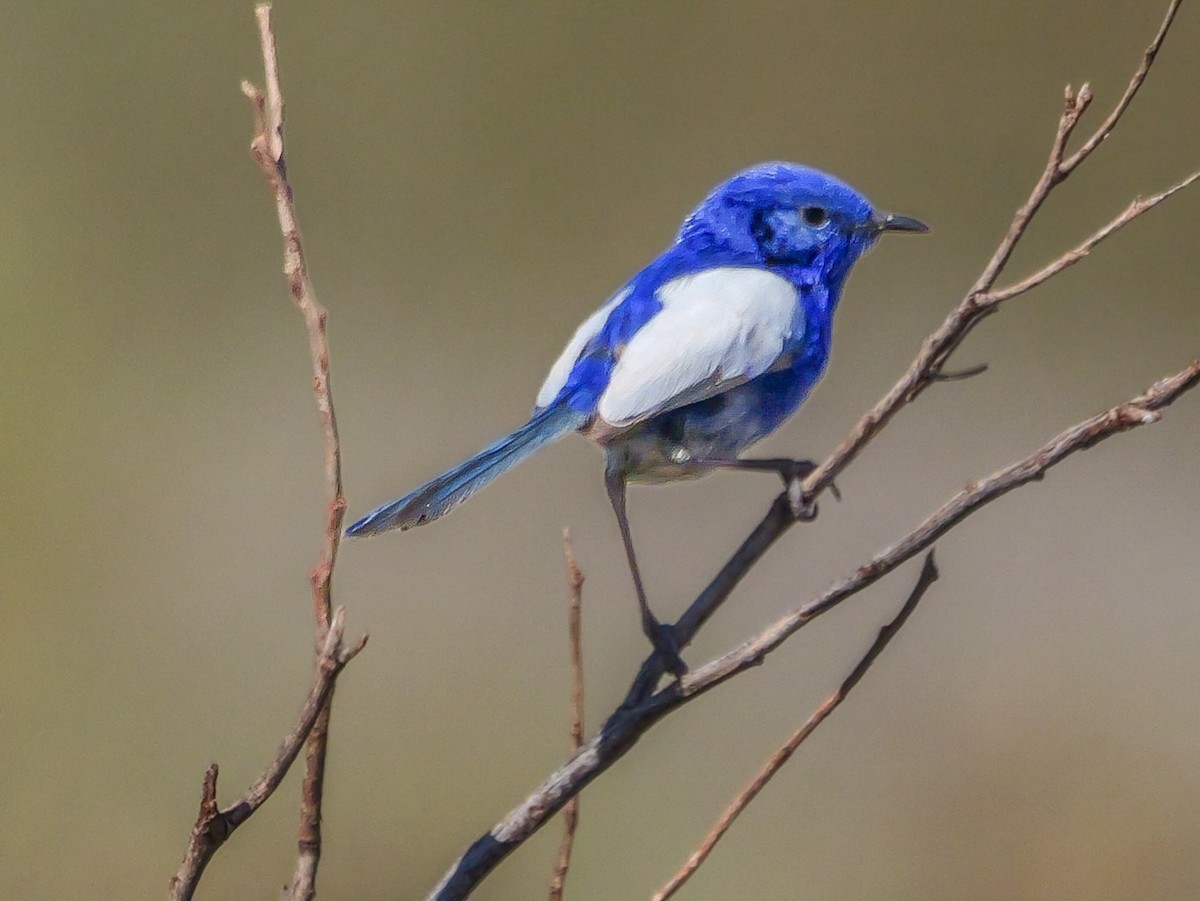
{"x":791,"y":217}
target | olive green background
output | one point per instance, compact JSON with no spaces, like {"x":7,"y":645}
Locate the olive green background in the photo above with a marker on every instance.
{"x":473,"y":179}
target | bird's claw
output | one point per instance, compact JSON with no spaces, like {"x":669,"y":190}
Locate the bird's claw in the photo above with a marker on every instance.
{"x":667,"y":647}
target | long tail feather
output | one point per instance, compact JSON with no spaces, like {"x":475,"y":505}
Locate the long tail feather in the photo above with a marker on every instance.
{"x":447,"y":491}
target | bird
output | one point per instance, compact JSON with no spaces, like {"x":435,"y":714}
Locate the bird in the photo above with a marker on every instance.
{"x":706,"y":350}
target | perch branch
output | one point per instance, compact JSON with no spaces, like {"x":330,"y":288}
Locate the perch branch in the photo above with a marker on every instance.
{"x":631,"y":721}
{"x":644,"y":705}
{"x":214,"y":825}
{"x":928,"y":576}
{"x":575,"y":630}
{"x":269,"y":151}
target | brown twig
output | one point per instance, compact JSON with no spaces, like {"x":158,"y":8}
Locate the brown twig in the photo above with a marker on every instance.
{"x":644,"y":706}
{"x":269,"y":151}
{"x":1131,"y":90}
{"x":928,"y":576}
{"x":575,"y":628}
{"x":214,"y":825}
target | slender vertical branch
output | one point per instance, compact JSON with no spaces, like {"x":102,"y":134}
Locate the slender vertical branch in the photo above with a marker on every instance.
{"x":928,"y":576}
{"x":575,"y":629}
{"x":269,"y":151}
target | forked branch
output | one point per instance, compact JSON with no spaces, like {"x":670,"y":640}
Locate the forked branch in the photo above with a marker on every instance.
{"x":214,"y":824}
{"x":630,"y":722}
{"x":981,"y":300}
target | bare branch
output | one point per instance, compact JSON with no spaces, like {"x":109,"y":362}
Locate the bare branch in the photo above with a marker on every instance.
{"x":1075,"y":104}
{"x":269,"y":151}
{"x":928,"y":576}
{"x":981,"y":300}
{"x":635,"y":717}
{"x":214,"y":825}
{"x":575,"y":629}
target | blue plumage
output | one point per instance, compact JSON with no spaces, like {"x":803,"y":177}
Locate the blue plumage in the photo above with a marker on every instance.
{"x":451,"y":488}
{"x":705,"y":351}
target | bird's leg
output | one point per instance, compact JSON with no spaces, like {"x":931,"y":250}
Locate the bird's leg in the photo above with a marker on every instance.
{"x":786,"y":468}
{"x":661,"y":635}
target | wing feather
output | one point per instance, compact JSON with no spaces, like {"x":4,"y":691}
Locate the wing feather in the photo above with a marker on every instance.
{"x":717,"y":329}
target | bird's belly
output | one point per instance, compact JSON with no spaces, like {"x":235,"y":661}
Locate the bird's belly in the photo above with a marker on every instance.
{"x":672,"y":445}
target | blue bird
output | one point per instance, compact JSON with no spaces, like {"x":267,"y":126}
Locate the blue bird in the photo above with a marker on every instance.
{"x":705,"y":351}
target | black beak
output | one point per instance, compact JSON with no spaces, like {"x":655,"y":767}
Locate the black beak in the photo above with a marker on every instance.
{"x":892,"y":222}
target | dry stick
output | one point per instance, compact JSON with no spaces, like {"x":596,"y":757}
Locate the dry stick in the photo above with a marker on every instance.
{"x":269,"y":151}
{"x":929,"y":575}
{"x":575,"y":629}
{"x":214,"y":825}
{"x":629,"y":723}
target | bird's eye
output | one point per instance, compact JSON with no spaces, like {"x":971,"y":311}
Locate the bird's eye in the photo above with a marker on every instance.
{"x":816,"y":216}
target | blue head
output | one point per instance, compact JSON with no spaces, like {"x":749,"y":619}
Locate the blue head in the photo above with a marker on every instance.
{"x":806,"y":224}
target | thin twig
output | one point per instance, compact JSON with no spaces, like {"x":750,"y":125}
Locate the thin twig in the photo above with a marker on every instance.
{"x":623,"y":729}
{"x":1071,"y":257}
{"x":1135,"y":84}
{"x":575,"y":628}
{"x":928,"y":576}
{"x":214,"y":825}
{"x":269,"y":151}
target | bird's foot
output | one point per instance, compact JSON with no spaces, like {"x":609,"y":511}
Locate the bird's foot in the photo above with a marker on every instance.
{"x":667,"y":646}
{"x":795,"y":470}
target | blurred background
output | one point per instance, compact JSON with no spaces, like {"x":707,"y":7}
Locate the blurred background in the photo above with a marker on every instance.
{"x":473,"y":179}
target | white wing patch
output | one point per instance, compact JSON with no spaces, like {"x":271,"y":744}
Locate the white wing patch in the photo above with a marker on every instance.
{"x":561,"y":370}
{"x":717,"y":329}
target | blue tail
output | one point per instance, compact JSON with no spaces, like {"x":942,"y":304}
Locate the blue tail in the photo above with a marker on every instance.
{"x":447,"y":491}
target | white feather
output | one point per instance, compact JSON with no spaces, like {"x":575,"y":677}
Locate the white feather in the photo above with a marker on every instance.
{"x":562,"y":367}
{"x":717,"y":329}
